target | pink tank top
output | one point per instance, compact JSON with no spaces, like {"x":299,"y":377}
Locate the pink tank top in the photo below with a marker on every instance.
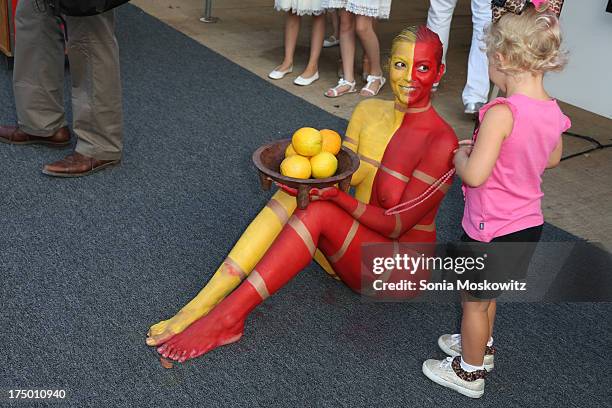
{"x":510,"y":199}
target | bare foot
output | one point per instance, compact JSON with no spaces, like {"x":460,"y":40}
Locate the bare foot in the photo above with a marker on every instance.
{"x":163,"y":331}
{"x":206,"y":334}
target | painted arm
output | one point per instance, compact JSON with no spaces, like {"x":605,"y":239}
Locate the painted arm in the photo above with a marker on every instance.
{"x":433,"y":166}
{"x":476,"y":166}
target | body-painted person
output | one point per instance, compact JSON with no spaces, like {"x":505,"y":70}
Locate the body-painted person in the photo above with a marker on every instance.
{"x":404,"y":147}
{"x":519,"y":137}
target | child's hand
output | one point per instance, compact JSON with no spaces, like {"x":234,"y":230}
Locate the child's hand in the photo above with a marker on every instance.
{"x":466,"y":146}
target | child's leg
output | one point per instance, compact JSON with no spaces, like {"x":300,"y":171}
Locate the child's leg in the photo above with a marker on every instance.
{"x":491,"y":313}
{"x":371,"y":48}
{"x":335,"y":19}
{"x":347,"y":44}
{"x":369,"y":40}
{"x":475,"y":330}
{"x":347,"y":53}
{"x":365,"y":61}
{"x":316,"y":45}
{"x":292,"y":29}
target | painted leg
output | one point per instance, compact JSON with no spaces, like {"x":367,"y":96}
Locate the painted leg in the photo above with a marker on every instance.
{"x":249,"y":249}
{"x":290,"y":253}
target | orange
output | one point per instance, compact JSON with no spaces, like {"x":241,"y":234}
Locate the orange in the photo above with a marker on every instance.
{"x":296,"y":167}
{"x":323,"y":165}
{"x":331,"y":141}
{"x":290,"y":151}
{"x":307,"y":141}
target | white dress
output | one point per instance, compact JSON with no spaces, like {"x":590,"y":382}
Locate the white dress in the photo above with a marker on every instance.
{"x":370,"y":8}
{"x":300,"y":7}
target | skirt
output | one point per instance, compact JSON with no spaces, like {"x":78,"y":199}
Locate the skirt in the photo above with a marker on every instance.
{"x":300,"y":7}
{"x":370,"y":8}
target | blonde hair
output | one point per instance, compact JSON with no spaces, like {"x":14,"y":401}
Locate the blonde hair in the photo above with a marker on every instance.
{"x":529,"y":42}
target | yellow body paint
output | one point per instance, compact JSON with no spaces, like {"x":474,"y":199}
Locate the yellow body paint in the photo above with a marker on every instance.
{"x":370,"y":129}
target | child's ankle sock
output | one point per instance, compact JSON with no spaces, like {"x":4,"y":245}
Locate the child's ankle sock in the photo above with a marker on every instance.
{"x":490,"y":342}
{"x":470,"y":368}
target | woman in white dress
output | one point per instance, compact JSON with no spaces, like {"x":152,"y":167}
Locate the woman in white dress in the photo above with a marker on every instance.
{"x":295,"y":9}
{"x":357,"y":16}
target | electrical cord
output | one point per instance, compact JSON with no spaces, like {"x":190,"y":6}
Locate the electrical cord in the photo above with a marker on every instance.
{"x":598,"y":145}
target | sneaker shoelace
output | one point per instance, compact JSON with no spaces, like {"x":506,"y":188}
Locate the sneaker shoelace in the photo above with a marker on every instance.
{"x":446,"y":363}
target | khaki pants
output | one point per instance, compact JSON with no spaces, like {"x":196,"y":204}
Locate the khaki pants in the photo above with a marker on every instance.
{"x":38,"y":78}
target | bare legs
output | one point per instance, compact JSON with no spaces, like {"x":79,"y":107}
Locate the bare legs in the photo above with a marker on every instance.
{"x":241,"y":260}
{"x":335,"y":23}
{"x":476,"y":328}
{"x":292,"y":29}
{"x":351,"y":24}
{"x":290,"y":253}
{"x":316,"y":45}
{"x":365,"y":30}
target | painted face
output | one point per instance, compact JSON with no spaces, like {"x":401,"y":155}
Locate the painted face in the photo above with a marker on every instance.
{"x":413,"y":72}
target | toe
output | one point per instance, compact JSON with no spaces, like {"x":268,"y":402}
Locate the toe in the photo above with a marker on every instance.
{"x":157,"y":328}
{"x":159,"y":339}
{"x":168,"y":352}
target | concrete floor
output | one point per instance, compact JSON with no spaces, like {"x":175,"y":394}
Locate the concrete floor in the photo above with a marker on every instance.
{"x":250,"y":33}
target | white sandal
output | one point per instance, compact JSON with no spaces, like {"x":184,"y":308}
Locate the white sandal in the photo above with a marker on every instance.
{"x":335,"y":90}
{"x":371,"y":79}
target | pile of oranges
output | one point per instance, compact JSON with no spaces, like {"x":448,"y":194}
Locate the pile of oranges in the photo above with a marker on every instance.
{"x":312,"y":153}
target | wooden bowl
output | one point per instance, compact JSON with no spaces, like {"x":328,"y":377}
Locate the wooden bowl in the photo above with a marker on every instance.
{"x":268,"y":158}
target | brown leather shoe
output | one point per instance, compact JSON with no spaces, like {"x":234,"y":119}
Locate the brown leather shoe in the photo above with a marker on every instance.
{"x":76,"y":165}
{"x":14,"y":135}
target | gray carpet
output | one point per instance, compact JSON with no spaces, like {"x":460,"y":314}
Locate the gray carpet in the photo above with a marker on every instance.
{"x":88,"y":264}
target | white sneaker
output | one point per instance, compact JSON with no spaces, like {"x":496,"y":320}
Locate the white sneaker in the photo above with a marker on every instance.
{"x":451,"y":345}
{"x":448,"y":373}
{"x":276,"y":74}
{"x":306,"y":81}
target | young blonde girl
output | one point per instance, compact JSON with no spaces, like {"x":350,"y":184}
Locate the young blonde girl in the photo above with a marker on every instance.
{"x":518,"y":138}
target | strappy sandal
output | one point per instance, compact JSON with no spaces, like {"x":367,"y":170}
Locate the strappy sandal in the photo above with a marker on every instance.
{"x":336,"y":92}
{"x":371,"y":79}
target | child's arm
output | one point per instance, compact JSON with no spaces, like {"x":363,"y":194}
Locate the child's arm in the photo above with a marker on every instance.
{"x":555,"y":157}
{"x":475,"y":168}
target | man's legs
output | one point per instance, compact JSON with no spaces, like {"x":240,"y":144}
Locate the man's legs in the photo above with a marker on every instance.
{"x":96,"y":86}
{"x":38,"y":75}
{"x":477,"y":87}
{"x":439,"y":20}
